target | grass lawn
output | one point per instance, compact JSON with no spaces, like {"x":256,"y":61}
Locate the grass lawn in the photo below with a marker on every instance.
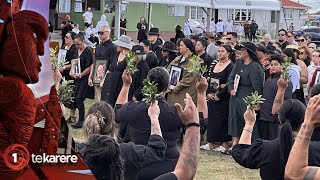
{"x":212,"y":165}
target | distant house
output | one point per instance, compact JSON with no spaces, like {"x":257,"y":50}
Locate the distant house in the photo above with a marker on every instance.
{"x":293,"y":12}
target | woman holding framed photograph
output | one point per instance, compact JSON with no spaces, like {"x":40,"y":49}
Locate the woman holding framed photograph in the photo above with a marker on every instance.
{"x":82,"y":90}
{"x":245,"y":78}
{"x":217,"y":93}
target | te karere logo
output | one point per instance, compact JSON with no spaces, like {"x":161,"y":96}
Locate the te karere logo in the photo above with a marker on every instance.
{"x":17,"y":157}
{"x":54,"y":158}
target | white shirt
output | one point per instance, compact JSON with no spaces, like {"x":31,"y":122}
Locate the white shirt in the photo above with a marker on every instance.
{"x":186,"y":29}
{"x":76,"y":30}
{"x":212,"y":26}
{"x":219,"y":26}
{"x":229,"y":26}
{"x":240,"y":30}
{"x":90,"y":31}
{"x":88,"y":17}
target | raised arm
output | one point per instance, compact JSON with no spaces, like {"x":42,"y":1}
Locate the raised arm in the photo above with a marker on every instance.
{"x":188,"y":161}
{"x":202,"y":86}
{"x":297,"y":166}
{"x":123,"y":95}
{"x":278,"y":100}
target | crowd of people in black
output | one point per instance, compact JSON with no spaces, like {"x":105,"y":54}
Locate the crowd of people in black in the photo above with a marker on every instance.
{"x":149,"y":135}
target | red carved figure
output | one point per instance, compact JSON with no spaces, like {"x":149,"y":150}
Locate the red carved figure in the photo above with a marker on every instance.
{"x":22,"y":40}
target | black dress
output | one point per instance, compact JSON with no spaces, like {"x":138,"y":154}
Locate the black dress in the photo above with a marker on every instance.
{"x":82,"y":90}
{"x":265,"y":155}
{"x":136,"y":114}
{"x":142,"y":31}
{"x":218,"y":111}
{"x":72,"y":53}
{"x":135,"y":157}
{"x":113,"y":82}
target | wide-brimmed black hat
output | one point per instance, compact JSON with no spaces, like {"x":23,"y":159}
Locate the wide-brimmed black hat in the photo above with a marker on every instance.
{"x":169,"y":46}
{"x":262,"y":48}
{"x":250,"y":47}
{"x":154,"y":31}
{"x":138,"y":49}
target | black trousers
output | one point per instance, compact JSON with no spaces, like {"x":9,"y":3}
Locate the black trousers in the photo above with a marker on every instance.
{"x":253,"y":36}
{"x":80,"y":106}
{"x":247,"y":35}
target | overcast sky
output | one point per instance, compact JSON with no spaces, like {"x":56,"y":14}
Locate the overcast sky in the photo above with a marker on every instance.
{"x":315,"y":4}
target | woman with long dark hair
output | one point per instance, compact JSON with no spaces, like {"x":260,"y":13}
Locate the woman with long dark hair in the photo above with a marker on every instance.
{"x":271,"y":156}
{"x":218,"y":103}
{"x":245,"y":78}
{"x":169,"y":53}
{"x":143,"y":28}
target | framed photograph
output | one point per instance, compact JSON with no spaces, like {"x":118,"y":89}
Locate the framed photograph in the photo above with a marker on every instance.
{"x":75,"y":66}
{"x":236,"y":83}
{"x":62,"y":55}
{"x":317,"y":80}
{"x":99,"y":70}
{"x":175,"y":76}
{"x":214,"y":86}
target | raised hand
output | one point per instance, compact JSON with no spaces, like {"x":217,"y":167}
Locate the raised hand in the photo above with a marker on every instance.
{"x":126,"y":79}
{"x":282,"y":83}
{"x":249,"y":116}
{"x":202,"y":85}
{"x":312,"y":114}
{"x":190,"y":113}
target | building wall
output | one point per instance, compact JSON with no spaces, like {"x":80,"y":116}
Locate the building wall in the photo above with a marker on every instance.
{"x":296,"y":20}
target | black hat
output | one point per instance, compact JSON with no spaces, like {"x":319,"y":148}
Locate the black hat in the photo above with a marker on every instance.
{"x":138,"y":49}
{"x":250,"y":47}
{"x":271,"y":49}
{"x":169,"y":46}
{"x":154,"y":31}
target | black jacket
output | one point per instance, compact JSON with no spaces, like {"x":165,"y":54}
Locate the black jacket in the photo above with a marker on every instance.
{"x":137,"y":80}
{"x":107,"y":51}
{"x":253,"y":27}
{"x":156,"y":49}
{"x":142,"y":33}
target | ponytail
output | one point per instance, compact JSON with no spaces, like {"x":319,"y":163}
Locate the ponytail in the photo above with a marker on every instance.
{"x":286,"y":142}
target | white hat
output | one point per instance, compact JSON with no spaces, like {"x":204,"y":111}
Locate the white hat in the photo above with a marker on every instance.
{"x":124,"y":41}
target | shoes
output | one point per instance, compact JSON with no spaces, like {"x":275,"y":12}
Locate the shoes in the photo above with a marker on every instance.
{"x":205,"y":147}
{"x":227,"y":151}
{"x":71,"y":119}
{"x":219,"y":149}
{"x":78,"y":125}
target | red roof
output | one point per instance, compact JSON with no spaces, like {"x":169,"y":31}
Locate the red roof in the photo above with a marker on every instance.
{"x":288,"y":3}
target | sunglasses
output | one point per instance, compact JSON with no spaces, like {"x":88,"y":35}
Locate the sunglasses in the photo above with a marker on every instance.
{"x":67,"y":37}
{"x":228,"y":39}
{"x":77,"y":44}
{"x":301,"y":40}
{"x":301,"y":53}
{"x":100,"y":32}
{"x":281,"y":34}
{"x":290,"y":36}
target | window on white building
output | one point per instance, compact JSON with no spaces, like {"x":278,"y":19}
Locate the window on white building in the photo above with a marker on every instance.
{"x":196,"y":13}
{"x":176,"y":10}
{"x":288,"y":13}
{"x":64,"y":6}
{"x":239,"y":14}
{"x":302,"y":13}
{"x":82,"y":5}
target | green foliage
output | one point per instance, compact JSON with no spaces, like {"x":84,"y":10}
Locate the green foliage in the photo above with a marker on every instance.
{"x":65,"y":91}
{"x":131,"y":65}
{"x":54,"y":60}
{"x":196,"y":66}
{"x":253,"y":100}
{"x":149,"y":91}
{"x":285,"y":68}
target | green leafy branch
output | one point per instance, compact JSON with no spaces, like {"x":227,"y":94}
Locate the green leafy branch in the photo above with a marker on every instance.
{"x":131,"y":65}
{"x":54,"y":60}
{"x":149,"y":91}
{"x":285,"y":68}
{"x":196,"y":66}
{"x":253,"y":100}
{"x":65,"y":91}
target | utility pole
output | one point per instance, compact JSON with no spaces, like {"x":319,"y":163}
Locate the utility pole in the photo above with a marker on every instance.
{"x":117,"y":19}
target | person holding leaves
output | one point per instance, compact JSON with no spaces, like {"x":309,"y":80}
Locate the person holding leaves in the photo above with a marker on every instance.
{"x":245,"y":78}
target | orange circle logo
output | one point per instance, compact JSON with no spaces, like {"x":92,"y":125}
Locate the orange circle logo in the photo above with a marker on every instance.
{"x":16,"y":157}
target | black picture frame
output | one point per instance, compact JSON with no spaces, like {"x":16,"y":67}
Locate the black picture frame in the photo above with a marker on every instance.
{"x":99,"y":74}
{"x":175,"y":76}
{"x":317,"y":79}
